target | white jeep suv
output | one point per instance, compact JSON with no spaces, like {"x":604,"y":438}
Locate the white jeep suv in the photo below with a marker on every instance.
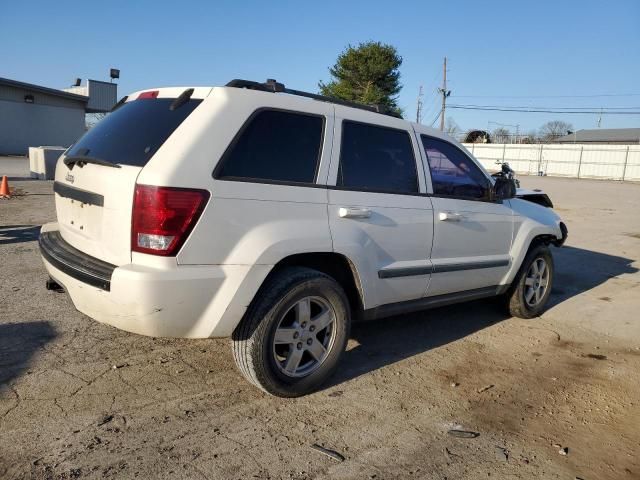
{"x":276,"y":217}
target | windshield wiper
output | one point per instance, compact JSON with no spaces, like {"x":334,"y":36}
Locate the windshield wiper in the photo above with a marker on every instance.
{"x":82,"y":160}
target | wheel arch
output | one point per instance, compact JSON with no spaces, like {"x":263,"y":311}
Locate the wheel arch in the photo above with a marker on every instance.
{"x":529,"y":238}
{"x":335,"y":265}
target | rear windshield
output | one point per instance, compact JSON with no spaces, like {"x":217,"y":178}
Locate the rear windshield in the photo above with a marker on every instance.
{"x":134,"y":132}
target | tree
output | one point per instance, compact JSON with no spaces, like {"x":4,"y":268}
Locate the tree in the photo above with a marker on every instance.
{"x":451,"y":128}
{"x":366,"y":74}
{"x":554,"y":129}
{"x":500,"y":135}
{"x":531,"y":137}
{"x":91,"y":119}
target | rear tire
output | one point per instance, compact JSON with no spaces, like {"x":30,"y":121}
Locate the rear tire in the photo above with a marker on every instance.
{"x":292,"y":336}
{"x":532,"y":287}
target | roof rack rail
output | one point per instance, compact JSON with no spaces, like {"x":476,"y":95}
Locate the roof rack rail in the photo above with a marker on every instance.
{"x":275,"y":87}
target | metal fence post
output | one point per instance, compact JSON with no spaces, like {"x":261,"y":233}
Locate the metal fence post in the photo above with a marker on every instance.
{"x":626,"y":159}
{"x":504,"y":148}
{"x":580,"y":160}
{"x":540,"y":159}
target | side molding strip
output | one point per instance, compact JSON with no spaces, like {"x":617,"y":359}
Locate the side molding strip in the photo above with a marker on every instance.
{"x":405,"y":272}
{"x":456,"y":267}
{"x":451,"y":267}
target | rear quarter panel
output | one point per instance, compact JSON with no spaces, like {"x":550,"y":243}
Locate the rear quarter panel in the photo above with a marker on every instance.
{"x":244,"y":223}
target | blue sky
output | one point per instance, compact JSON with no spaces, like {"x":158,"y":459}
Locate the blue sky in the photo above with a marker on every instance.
{"x":496,"y":49}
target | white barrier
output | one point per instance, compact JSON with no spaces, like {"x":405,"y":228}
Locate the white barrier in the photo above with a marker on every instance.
{"x":42,"y":161}
{"x":611,"y":162}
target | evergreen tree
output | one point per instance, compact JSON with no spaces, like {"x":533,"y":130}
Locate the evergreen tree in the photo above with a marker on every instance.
{"x":366,"y":74}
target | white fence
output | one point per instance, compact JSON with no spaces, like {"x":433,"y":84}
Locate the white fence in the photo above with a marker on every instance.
{"x":613,"y":162}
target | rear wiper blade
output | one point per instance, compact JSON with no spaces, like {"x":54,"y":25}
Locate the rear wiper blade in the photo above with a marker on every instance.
{"x":81,"y":160}
{"x":120,"y":103}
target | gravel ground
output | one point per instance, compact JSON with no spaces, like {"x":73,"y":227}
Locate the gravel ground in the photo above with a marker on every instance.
{"x":83,"y":400}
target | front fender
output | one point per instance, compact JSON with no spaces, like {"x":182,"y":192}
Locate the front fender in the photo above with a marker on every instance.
{"x":530,"y":221}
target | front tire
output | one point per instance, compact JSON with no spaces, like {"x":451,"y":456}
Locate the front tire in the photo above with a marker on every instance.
{"x":292,"y":336}
{"x":532,"y":288}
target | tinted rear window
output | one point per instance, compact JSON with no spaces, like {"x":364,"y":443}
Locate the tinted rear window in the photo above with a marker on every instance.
{"x":134,"y":132}
{"x":275,"y":145}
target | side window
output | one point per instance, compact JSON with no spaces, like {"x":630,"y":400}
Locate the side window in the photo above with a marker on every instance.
{"x":376,"y":159}
{"x":275,"y":145}
{"x":452,"y":172}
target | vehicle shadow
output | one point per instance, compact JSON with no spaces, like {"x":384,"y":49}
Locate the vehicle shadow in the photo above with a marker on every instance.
{"x":579,"y":270}
{"x":390,"y":340}
{"x":18,"y":233}
{"x":18,"y":344}
{"x":387,"y":341}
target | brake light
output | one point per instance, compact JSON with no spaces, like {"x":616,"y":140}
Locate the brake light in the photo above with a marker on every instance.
{"x":163,"y":217}
{"x":149,"y":94}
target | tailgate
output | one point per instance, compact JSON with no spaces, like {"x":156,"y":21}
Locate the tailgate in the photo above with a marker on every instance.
{"x":93,"y":205}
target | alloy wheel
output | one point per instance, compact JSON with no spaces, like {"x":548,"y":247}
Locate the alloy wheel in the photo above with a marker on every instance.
{"x":536,"y":282}
{"x":304,"y":336}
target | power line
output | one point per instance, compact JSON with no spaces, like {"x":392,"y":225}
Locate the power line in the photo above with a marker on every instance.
{"x":536,"y":110}
{"x":551,"y":96}
{"x":425,"y":112}
{"x":436,"y":119}
{"x":550,"y":108}
{"x":433,"y":105}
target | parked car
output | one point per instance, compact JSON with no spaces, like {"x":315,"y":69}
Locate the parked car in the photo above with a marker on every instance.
{"x":276,"y":217}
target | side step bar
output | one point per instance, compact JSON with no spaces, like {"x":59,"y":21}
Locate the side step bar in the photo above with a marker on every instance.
{"x":426,"y":303}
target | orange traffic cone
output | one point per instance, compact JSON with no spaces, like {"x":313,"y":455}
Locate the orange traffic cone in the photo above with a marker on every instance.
{"x":4,"y":188}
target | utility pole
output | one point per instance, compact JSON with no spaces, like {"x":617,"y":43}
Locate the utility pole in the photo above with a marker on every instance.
{"x":445,"y":93}
{"x":600,"y":118}
{"x":419,"y":106}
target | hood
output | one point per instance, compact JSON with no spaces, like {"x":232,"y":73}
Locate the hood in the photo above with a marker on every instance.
{"x":535,"y":196}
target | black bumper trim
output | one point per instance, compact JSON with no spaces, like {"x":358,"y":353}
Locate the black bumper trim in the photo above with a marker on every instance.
{"x":565,"y":234}
{"x":75,"y":263}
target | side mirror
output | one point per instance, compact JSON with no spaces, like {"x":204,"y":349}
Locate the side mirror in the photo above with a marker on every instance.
{"x":504,"y":188}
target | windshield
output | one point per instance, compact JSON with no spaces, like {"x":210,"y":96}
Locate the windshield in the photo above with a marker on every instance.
{"x":134,"y":132}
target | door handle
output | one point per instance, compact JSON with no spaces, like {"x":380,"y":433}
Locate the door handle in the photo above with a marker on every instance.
{"x":450,"y":216}
{"x":352,"y":212}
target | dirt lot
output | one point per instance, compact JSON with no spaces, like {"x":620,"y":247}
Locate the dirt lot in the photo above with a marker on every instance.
{"x":83,"y":400}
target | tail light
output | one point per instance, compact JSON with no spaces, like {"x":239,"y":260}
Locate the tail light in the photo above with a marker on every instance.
{"x":163,"y":217}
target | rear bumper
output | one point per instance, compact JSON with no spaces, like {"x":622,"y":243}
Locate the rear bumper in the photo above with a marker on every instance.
{"x":73,"y":262}
{"x":182,"y":301}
